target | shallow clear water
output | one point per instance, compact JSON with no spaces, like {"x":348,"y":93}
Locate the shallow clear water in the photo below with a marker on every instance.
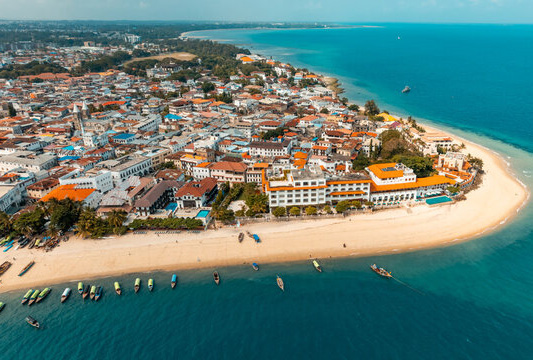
{"x":472,"y":300}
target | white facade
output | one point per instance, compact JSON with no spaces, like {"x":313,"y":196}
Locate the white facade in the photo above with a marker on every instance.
{"x":103,"y":181}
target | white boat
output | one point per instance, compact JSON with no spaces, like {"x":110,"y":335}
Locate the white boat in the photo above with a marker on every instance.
{"x":65,"y":295}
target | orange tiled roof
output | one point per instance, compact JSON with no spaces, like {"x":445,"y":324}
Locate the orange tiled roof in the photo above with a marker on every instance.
{"x":68,"y":191}
{"x":377,"y":169}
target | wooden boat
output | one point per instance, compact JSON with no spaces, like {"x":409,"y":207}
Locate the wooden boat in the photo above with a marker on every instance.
{"x":281,"y":285}
{"x":32,"y":244}
{"x":80,"y":288}
{"x":86,"y":291}
{"x":174,"y":281}
{"x":93,"y":292}
{"x":249,"y":235}
{"x":65,"y":295}
{"x":216,"y":277}
{"x":380,"y":271}
{"x":317,"y":266}
{"x":150,"y":284}
{"x":26,"y":297}
{"x":137,"y":284}
{"x":26,"y":268}
{"x":98,"y":293}
{"x":43,"y":294}
{"x":255,"y":266}
{"x":241,"y":237}
{"x":32,"y":322}
{"x":118,"y":290}
{"x":2,"y":305}
{"x":33,"y":297}
{"x":4,"y":267}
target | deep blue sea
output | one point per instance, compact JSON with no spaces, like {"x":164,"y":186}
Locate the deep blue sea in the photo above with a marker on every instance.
{"x":468,"y":301}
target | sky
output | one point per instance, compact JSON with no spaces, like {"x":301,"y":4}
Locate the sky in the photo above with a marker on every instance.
{"x":352,"y":11}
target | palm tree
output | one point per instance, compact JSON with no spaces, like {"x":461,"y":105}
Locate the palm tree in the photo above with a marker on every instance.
{"x":116,"y":219}
{"x":5,"y":223}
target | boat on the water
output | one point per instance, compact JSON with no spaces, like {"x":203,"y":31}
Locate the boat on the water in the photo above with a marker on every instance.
{"x":150,"y":284}
{"x":137,"y":284}
{"x":118,"y":290}
{"x":26,"y":268}
{"x":32,"y":322}
{"x":33,"y":297}
{"x":406,"y":90}
{"x":255,"y":266}
{"x":380,"y":271}
{"x":4,"y":267}
{"x":43,"y":294}
{"x":241,"y":237}
{"x":98,"y":293}
{"x":317,"y":266}
{"x":26,"y":297}
{"x":93,"y":292}
{"x":86,"y":291}
{"x":80,"y":288}
{"x":65,"y":295}
{"x":174,"y":281}
{"x":281,"y":285}
{"x":2,"y":305}
{"x":216,"y":277}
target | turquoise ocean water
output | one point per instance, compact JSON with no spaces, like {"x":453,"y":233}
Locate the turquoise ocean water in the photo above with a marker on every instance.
{"x":472,"y":300}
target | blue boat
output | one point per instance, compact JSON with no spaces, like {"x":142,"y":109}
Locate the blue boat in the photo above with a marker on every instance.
{"x":255,"y":266}
{"x":256,"y":238}
{"x":9,"y":247}
{"x":174,"y":281}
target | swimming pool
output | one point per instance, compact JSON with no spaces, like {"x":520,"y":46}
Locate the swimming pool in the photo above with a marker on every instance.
{"x":202,"y":214}
{"x":438,"y":200}
{"x":171,"y":206}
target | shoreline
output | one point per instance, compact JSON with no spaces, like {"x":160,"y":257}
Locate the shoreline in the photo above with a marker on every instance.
{"x":388,"y":231}
{"x":382,"y":232}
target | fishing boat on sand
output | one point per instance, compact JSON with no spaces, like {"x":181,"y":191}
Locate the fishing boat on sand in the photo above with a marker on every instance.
{"x":118,"y":290}
{"x":317,"y":266}
{"x":86,"y":291}
{"x":4,"y":267}
{"x":137,"y":284}
{"x":43,"y":294}
{"x":26,"y":268}
{"x":281,"y":285}
{"x":65,"y":295}
{"x":98,"y":293}
{"x":255,"y":266}
{"x":150,"y":284}
{"x":26,"y":297}
{"x":174,"y":281}
{"x":216,"y":277}
{"x":32,"y":322}
{"x":33,"y":297}
{"x":93,"y":292}
{"x":241,"y":237}
{"x":380,"y":271}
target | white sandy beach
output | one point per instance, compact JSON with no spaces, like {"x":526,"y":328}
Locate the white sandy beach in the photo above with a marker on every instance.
{"x":495,"y":202}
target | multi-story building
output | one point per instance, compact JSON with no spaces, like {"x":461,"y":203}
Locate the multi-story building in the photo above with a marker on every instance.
{"x":394,"y":182}
{"x":126,"y":166}
{"x":270,"y":148}
{"x":100,"y":180}
{"x":27,"y":160}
